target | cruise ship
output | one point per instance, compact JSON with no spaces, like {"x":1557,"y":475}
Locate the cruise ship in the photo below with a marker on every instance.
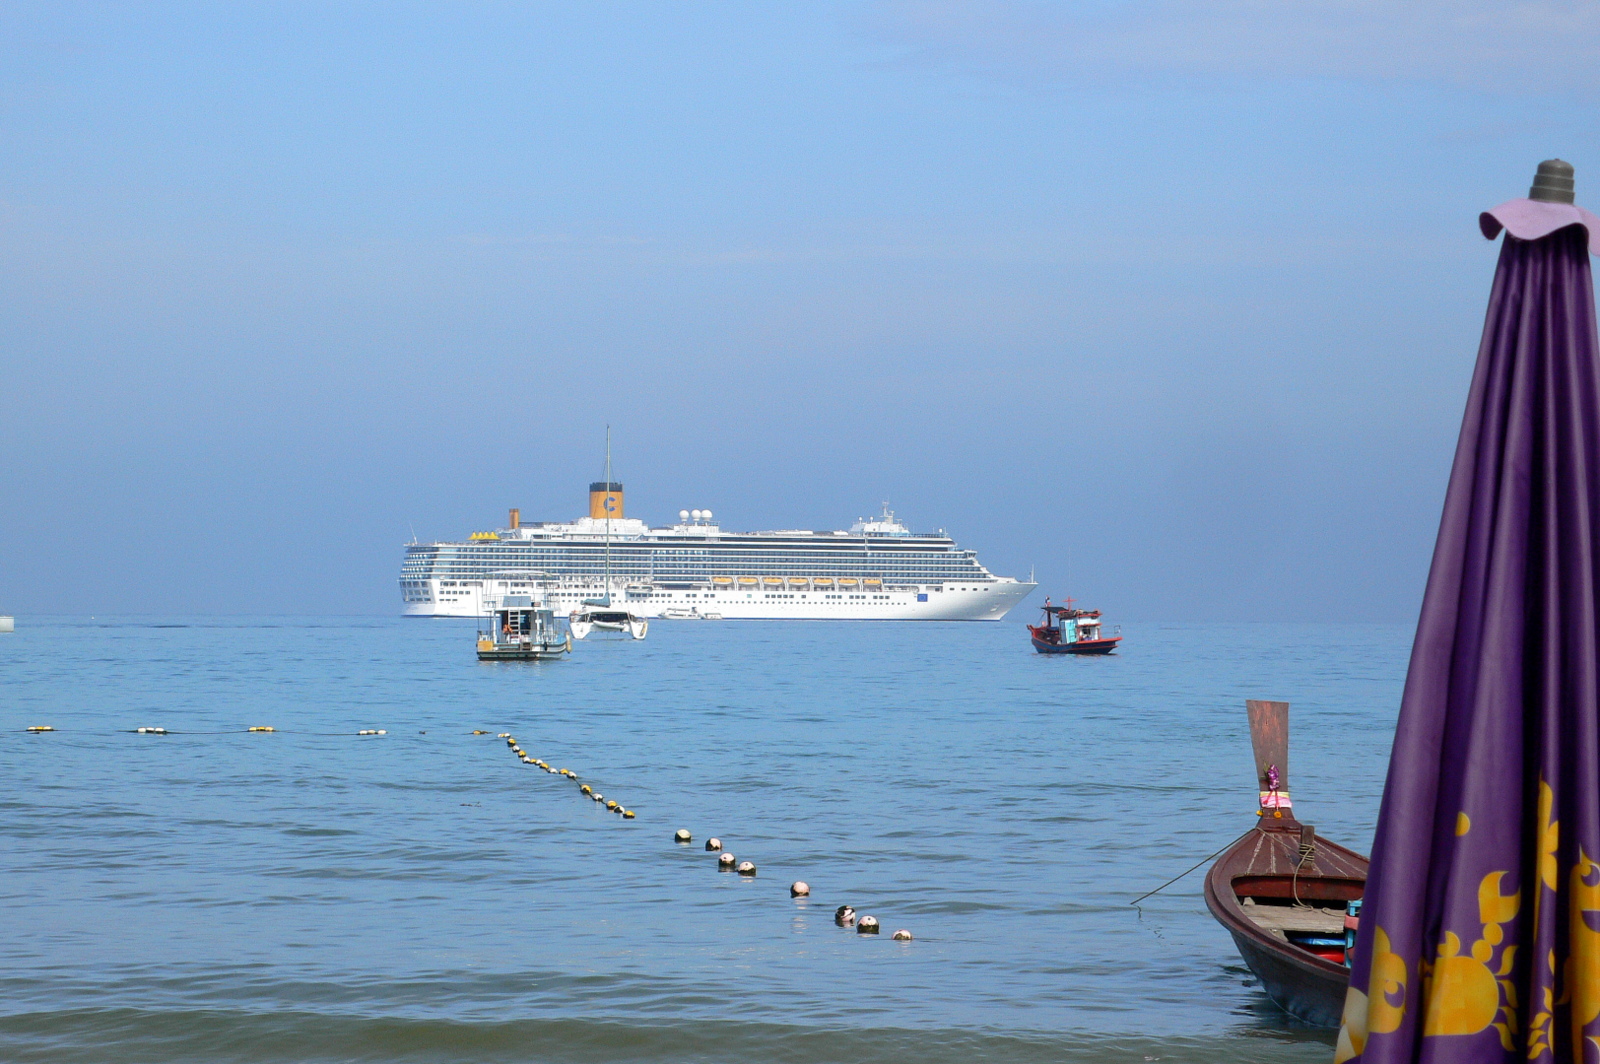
{"x":879,"y":570}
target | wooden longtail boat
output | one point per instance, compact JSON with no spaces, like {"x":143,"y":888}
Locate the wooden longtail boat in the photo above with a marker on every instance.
{"x":1283,"y":892}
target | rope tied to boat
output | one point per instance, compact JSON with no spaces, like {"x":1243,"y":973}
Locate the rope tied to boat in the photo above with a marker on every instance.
{"x":1307,"y":854}
{"x":1197,"y":864}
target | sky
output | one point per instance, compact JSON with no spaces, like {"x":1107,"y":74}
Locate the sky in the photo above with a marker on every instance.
{"x":1172,"y":304}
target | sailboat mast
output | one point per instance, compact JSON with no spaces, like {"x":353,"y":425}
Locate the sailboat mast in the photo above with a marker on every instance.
{"x":608,"y":515}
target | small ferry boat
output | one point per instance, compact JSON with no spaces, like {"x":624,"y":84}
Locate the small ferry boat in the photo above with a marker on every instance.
{"x":689,"y":613}
{"x":1290,"y":898}
{"x":519,"y":630}
{"x":1065,"y":630}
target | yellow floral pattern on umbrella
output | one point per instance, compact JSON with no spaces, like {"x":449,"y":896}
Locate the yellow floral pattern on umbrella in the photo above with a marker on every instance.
{"x":1549,"y":876}
{"x":1583,"y":945}
{"x":1549,"y":837}
{"x":1382,"y":1013}
{"x":1461,"y":993}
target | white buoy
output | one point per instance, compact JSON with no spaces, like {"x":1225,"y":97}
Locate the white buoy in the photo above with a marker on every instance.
{"x":747,"y":868}
{"x":901,"y":935}
{"x":725,"y":862}
{"x":597,"y":796}
{"x":844,"y":916}
{"x":799,"y":889}
{"x":867,"y":925}
{"x":713,"y":845}
{"x":682,"y":835}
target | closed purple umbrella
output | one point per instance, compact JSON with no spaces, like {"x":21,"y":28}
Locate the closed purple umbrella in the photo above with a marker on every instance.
{"x":1480,"y":930}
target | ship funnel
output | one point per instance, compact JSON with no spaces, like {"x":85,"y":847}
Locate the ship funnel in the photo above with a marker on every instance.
{"x":605,"y":499}
{"x":516,"y":519}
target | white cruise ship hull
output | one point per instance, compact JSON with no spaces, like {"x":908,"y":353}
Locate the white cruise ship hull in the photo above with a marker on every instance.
{"x":971,"y":601}
{"x":877,"y":571}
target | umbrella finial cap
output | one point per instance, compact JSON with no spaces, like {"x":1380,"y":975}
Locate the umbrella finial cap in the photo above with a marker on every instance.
{"x":1553,"y":183}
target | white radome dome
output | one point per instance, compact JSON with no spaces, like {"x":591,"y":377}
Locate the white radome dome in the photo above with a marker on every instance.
{"x":683,"y":515}
{"x":695,"y":514}
{"x":706,"y":514}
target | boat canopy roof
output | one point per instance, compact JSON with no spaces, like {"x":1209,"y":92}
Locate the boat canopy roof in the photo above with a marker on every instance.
{"x":1068,"y":613}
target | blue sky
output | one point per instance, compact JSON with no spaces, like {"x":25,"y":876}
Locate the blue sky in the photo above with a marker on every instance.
{"x":1176,"y":303}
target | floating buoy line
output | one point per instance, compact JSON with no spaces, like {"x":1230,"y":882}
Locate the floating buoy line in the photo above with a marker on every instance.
{"x":584,"y":789}
{"x":151,"y":729}
{"x":845,"y":916}
{"x":726,"y":862}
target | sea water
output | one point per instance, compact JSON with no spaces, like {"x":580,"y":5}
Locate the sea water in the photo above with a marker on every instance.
{"x":311,"y":894}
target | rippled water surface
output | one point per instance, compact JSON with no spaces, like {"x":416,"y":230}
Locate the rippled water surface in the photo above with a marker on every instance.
{"x":315,"y":895}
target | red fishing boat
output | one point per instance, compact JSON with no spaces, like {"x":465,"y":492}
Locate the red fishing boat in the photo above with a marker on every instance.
{"x":1065,"y":630}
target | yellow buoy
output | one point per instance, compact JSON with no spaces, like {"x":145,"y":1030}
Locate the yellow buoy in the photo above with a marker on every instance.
{"x":627,"y":814}
{"x":585,"y":788}
{"x":40,"y":728}
{"x":261,"y":727}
